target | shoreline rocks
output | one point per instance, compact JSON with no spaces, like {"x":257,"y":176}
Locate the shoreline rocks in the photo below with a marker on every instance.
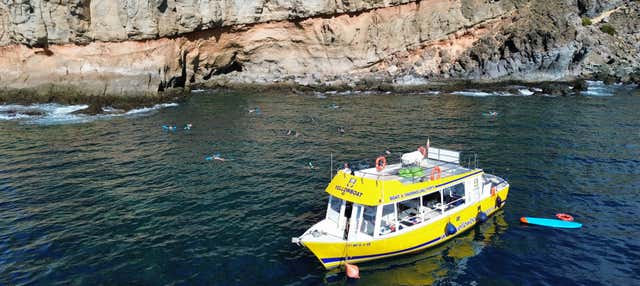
{"x":71,"y":95}
{"x":133,"y":50}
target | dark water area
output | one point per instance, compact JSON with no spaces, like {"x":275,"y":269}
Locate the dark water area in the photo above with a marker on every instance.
{"x":119,"y":201}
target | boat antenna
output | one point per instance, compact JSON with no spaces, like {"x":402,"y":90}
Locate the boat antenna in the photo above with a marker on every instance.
{"x":475,"y":157}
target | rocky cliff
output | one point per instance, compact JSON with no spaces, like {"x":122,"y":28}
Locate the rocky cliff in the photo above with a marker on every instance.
{"x":133,"y":47}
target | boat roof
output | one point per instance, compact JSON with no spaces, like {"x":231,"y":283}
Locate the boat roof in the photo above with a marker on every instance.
{"x":370,"y":187}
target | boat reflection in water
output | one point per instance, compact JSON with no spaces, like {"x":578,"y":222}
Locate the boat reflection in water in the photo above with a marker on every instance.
{"x":445,"y":261}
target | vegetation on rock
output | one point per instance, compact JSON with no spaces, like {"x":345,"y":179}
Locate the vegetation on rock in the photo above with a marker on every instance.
{"x":606,"y":28}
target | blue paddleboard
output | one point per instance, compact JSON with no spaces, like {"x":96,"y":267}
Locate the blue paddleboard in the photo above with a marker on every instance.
{"x":550,"y":222}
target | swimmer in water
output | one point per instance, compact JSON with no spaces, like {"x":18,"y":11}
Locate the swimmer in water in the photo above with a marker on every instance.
{"x":255,"y":110}
{"x":341,"y":130}
{"x":188,"y":126}
{"x":310,"y":166}
{"x":217,"y":157}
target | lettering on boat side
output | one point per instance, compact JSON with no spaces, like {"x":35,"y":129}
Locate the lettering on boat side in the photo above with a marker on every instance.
{"x":412,"y":193}
{"x":467,"y":223}
{"x":348,"y":190}
{"x":360,"y":244}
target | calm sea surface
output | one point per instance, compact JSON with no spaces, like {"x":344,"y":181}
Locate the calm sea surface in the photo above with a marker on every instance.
{"x":118,"y":201}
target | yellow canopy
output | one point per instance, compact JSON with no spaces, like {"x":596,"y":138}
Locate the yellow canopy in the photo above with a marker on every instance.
{"x":373,"y":192}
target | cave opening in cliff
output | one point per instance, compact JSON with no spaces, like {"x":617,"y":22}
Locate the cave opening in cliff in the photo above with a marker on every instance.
{"x":162,"y":6}
{"x":231,"y":67}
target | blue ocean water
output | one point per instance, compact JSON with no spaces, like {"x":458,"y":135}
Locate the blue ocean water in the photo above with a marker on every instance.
{"x":118,"y":200}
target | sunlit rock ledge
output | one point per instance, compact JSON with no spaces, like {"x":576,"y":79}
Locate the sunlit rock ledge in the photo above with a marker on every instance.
{"x":142,"y":50}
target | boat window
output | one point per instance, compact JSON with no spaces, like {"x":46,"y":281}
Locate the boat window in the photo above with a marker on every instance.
{"x":333,"y":213}
{"x":388,"y":219}
{"x":355,"y":222}
{"x":454,"y":195}
{"x":368,"y":220}
{"x":431,"y":201}
{"x":408,"y":212}
{"x":431,"y":205}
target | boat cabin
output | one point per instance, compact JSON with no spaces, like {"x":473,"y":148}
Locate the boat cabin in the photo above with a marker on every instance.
{"x":370,"y":204}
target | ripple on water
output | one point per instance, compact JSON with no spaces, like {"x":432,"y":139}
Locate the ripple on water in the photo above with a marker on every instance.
{"x":120,"y":201}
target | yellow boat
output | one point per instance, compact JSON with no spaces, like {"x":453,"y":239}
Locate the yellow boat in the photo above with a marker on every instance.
{"x":406,"y":207}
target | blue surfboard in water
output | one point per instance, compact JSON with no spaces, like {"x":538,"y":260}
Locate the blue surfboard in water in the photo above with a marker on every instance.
{"x":550,"y":222}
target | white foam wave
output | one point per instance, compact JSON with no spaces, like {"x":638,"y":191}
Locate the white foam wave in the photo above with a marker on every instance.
{"x":150,"y":109}
{"x":473,"y":93}
{"x":598,"y":88}
{"x":13,"y":116}
{"x":52,"y":113}
{"x":63,"y":110}
{"x":525,"y":92}
{"x":477,"y":93}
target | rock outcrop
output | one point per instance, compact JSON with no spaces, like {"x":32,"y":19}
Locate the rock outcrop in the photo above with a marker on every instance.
{"x":134,"y":47}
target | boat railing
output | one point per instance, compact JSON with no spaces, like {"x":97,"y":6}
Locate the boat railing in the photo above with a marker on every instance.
{"x":449,"y":163}
{"x":429,"y":213}
{"x":421,"y":216}
{"x":393,"y":173}
{"x":452,"y":204}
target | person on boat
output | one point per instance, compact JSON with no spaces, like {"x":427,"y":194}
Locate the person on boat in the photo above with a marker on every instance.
{"x":346,"y":169}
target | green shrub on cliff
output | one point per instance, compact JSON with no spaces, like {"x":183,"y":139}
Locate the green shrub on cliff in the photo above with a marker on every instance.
{"x":586,"y":21}
{"x":606,"y":28}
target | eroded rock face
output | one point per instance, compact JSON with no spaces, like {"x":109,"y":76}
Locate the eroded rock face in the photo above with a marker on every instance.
{"x":134,"y":47}
{"x":41,"y":22}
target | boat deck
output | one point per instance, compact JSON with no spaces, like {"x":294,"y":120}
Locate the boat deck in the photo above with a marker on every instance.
{"x":391,"y":171}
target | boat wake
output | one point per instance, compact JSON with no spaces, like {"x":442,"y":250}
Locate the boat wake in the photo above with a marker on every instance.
{"x":53,"y":113}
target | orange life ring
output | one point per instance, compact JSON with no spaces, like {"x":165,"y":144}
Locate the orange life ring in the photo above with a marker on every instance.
{"x":423,"y":151}
{"x":434,"y":171}
{"x":564,"y":217}
{"x":493,"y":190}
{"x":381,"y":162}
